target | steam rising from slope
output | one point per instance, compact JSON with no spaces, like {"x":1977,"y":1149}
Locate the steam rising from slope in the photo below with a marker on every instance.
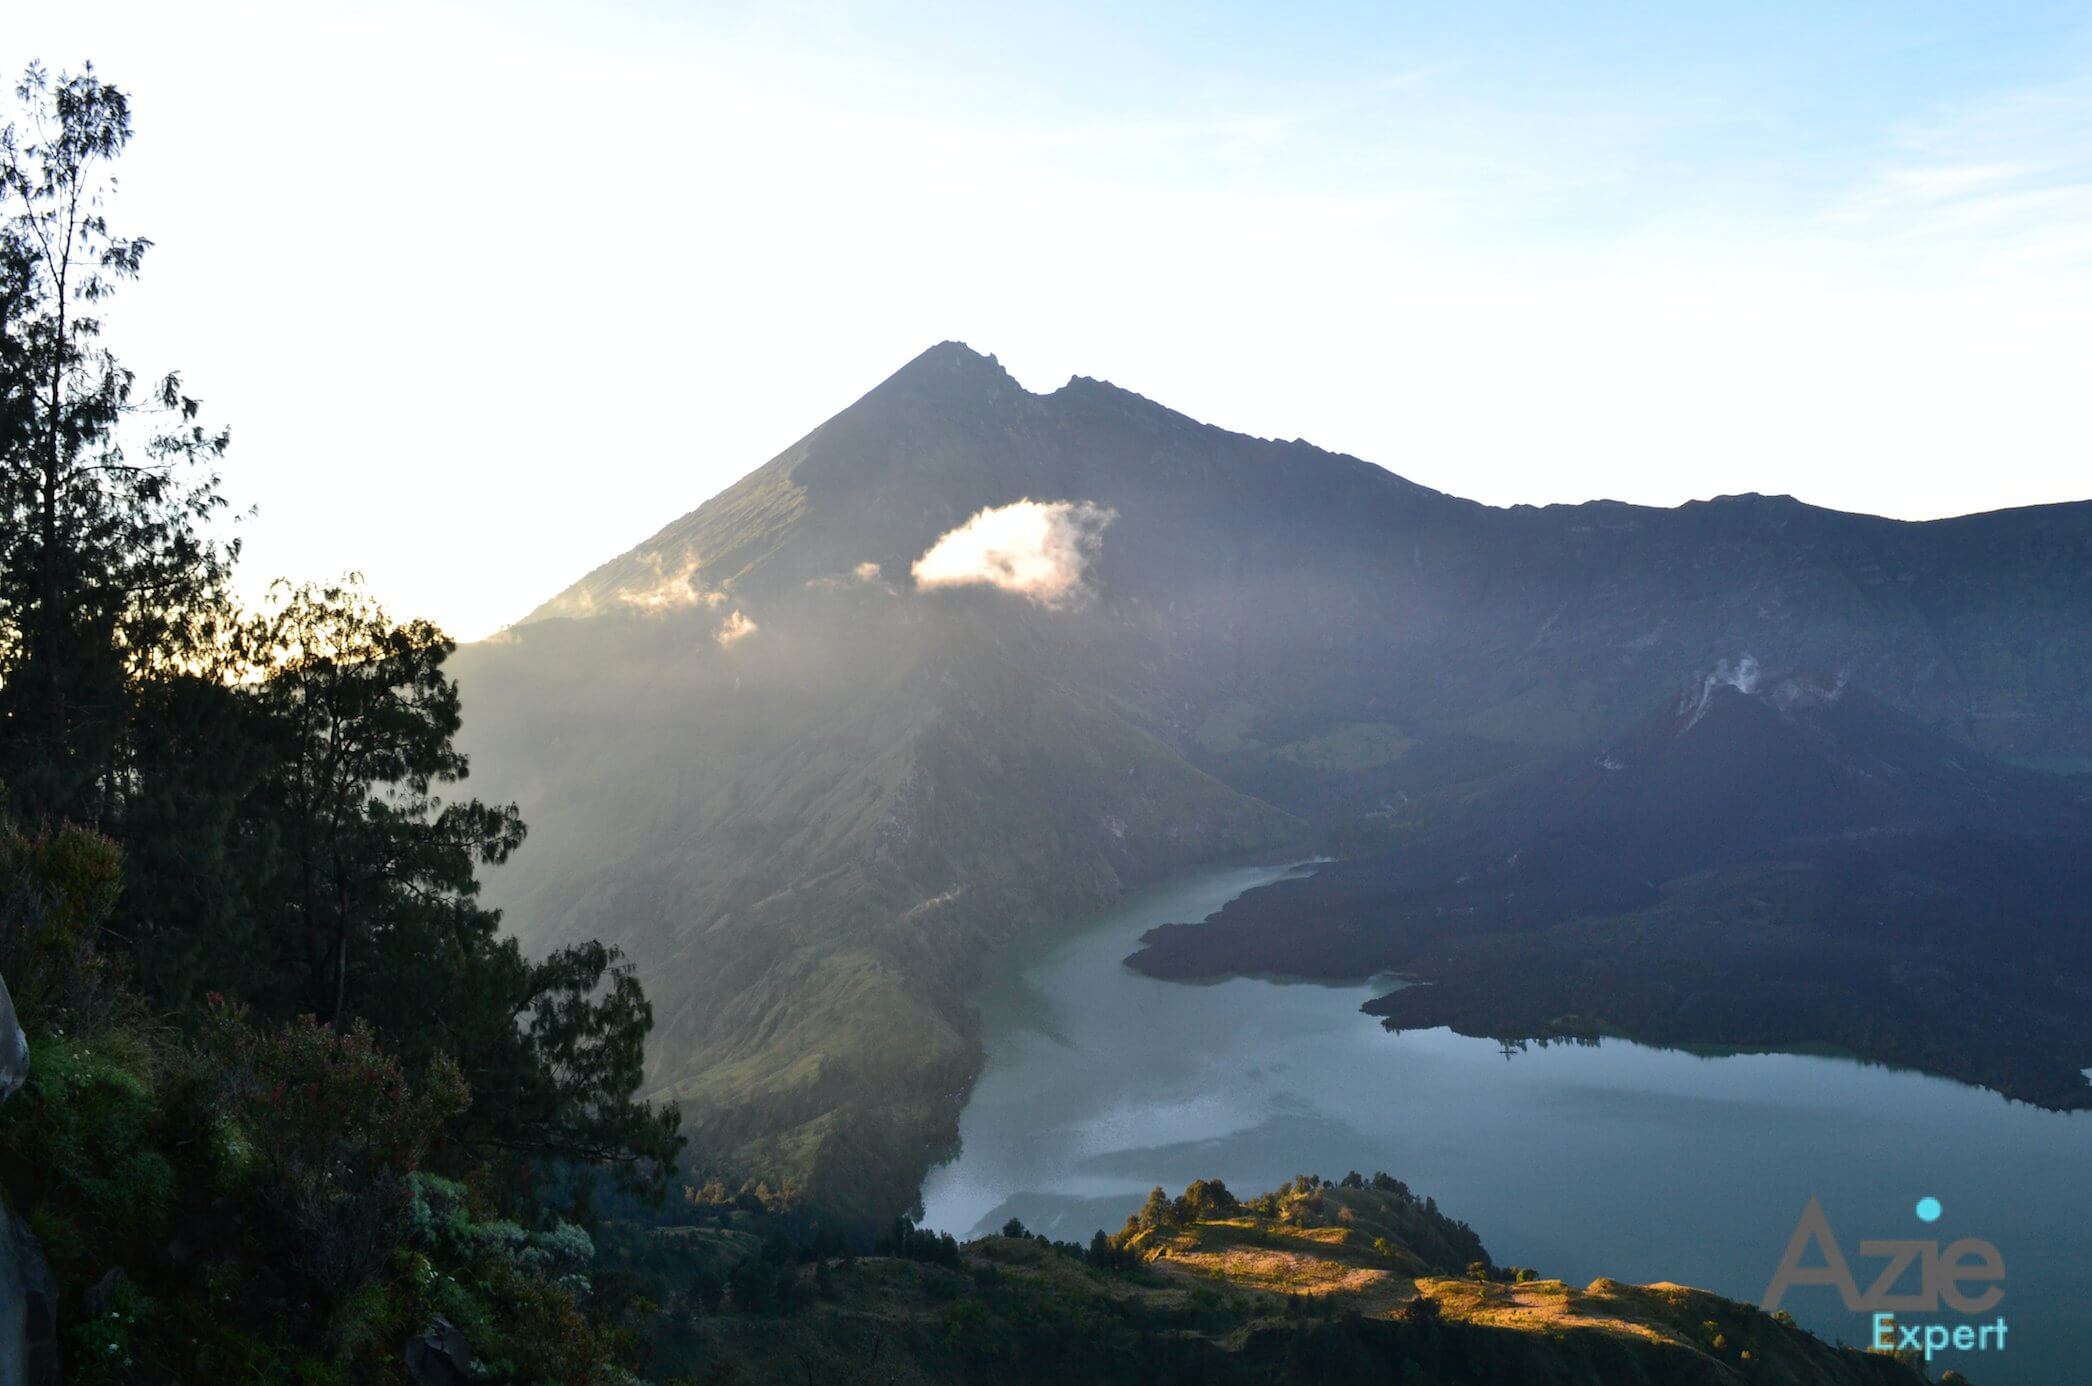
{"x":1743,"y":677}
{"x":1040,"y":550}
{"x":661,"y":590}
{"x":669,"y":591}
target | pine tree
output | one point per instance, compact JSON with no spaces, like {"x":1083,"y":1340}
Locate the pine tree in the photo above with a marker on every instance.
{"x":106,"y":574}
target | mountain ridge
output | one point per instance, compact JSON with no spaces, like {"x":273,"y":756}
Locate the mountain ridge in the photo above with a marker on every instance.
{"x":953,"y":360}
{"x":758,"y":538}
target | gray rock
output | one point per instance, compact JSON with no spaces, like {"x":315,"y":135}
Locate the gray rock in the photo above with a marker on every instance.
{"x":436,"y":1356}
{"x":28,"y":1309}
{"x":28,"y":1295}
{"x":101,"y":1296}
{"x":14,"y":1047}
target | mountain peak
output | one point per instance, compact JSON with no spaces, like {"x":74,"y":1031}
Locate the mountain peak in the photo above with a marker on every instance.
{"x":953,"y":351}
{"x":951,"y":363}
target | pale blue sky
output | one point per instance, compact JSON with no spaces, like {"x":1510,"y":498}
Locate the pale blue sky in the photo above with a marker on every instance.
{"x":559,"y":272}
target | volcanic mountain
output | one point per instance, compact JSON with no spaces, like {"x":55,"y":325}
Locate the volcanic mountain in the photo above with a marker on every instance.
{"x":967,"y":660}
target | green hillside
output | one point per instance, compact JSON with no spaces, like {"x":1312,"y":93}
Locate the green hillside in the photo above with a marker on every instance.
{"x":810,"y":869}
{"x":1319,"y":1282}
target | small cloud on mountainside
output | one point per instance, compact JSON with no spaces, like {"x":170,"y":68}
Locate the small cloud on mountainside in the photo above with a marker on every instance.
{"x":669,"y":591}
{"x":737,"y":627}
{"x":866,"y":574}
{"x":1040,"y":550}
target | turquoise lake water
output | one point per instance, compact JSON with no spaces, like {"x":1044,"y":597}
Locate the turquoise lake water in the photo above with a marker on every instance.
{"x":1621,"y":1160}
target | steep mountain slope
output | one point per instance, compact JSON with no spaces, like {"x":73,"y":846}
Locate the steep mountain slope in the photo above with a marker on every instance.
{"x":807,"y":843}
{"x":812,"y":796}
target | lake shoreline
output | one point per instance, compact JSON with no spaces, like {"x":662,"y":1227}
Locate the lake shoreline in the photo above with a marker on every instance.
{"x":1619,"y":1160}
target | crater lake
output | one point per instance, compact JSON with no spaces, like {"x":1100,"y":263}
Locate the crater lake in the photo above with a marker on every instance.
{"x":1580,"y":1161}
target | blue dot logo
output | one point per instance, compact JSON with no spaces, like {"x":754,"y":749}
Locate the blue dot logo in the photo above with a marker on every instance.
{"x":1928,"y":1209}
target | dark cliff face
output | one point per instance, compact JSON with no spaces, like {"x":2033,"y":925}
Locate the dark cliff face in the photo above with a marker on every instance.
{"x":810,"y":797}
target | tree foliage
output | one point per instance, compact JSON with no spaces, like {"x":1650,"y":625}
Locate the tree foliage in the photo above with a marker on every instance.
{"x":326,"y":1127}
{"x":360,"y":720}
{"x":239,"y":886}
{"x":914,"y":1243}
{"x":282,"y":782}
{"x":106,"y":568}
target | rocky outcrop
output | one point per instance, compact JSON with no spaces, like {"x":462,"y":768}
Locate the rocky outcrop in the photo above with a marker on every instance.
{"x":28,"y":1309}
{"x":14,"y":1048}
{"x":439,"y":1355}
{"x":28,"y":1296}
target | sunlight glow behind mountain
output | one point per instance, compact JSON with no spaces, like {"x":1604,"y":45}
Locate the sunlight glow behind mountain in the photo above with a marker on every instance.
{"x":554,"y":271}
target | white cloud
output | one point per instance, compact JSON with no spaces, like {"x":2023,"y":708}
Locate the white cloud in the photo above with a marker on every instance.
{"x":1040,"y":550}
{"x":738,"y":627}
{"x":670,"y":591}
{"x":2003,"y":183}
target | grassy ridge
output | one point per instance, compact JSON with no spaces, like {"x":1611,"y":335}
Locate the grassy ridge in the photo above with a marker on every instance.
{"x":1317,"y":1283}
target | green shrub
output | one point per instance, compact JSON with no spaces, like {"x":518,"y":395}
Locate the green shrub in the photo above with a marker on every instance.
{"x":82,"y":1148}
{"x":323,"y":1130}
{"x":57,"y":890}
